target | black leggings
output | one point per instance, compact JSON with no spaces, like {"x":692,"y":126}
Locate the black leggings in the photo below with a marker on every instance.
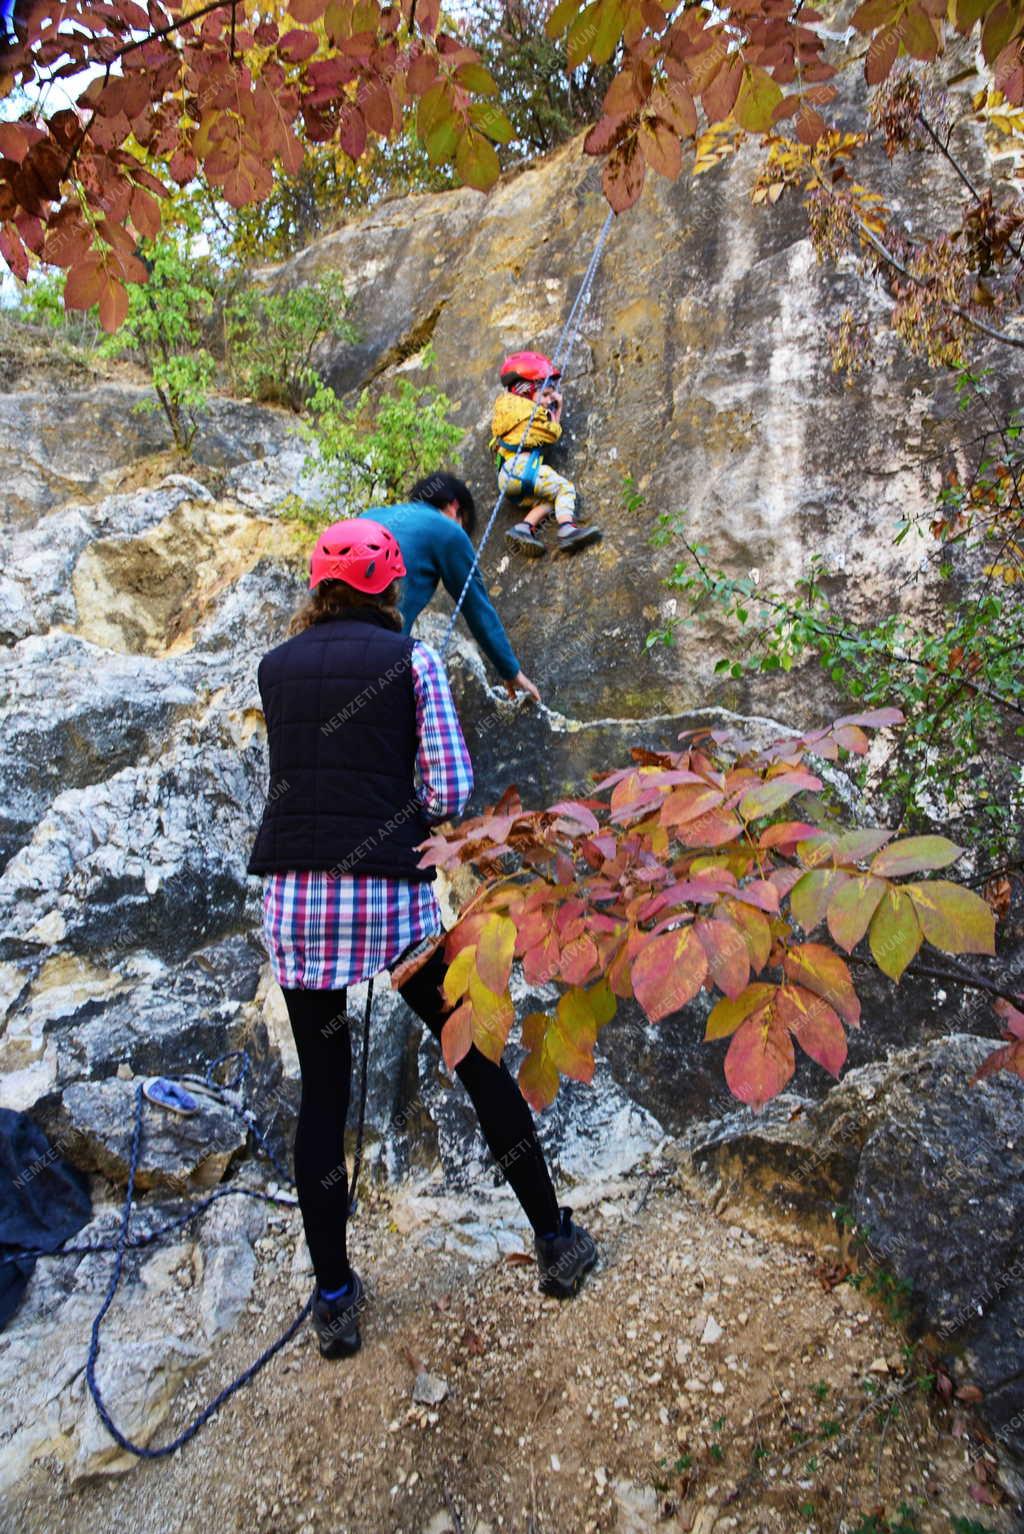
{"x":325,"y":1060}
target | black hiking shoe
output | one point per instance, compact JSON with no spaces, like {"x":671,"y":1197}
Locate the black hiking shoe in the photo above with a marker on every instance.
{"x":565,"y":1258}
{"x":336,"y":1322}
{"x":524,"y":540}
{"x":572,"y":536}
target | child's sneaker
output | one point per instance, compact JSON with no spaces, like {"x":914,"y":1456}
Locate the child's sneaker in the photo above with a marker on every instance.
{"x":564,"y":1258}
{"x":524,"y":539}
{"x":572,"y":536}
{"x":336,"y":1322}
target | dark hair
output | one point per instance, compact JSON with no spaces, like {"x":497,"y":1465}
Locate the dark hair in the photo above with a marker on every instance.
{"x":438,"y":489}
{"x":336,"y":599}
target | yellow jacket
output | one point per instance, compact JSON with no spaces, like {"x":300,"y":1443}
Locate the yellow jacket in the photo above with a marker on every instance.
{"x":508,"y":425}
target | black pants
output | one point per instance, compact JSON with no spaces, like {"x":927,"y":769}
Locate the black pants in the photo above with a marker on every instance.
{"x":325,"y":1060}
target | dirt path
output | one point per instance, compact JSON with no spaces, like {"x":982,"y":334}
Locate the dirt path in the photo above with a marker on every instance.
{"x":705,"y":1380}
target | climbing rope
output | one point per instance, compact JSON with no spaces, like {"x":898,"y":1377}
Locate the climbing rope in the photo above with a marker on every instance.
{"x":125,"y":1241}
{"x":560,"y":361}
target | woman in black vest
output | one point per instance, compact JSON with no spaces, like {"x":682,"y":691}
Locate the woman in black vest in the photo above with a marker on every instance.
{"x":366,"y":754}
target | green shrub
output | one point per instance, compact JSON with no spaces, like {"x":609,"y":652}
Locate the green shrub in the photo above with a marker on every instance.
{"x":367,"y":455}
{"x":164,"y":327}
{"x":270,"y":338}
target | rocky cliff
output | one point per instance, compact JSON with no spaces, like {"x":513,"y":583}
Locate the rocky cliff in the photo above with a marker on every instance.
{"x":137,"y":594}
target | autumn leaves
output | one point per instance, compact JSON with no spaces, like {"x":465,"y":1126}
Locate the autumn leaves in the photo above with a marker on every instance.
{"x":663,"y":884}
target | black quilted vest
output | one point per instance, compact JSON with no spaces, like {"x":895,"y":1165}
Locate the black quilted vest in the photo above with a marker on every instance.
{"x":341,"y":727}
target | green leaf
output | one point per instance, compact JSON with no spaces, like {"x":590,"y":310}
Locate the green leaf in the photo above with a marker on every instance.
{"x":476,"y":161}
{"x":602,"y":1003}
{"x":493,"y":1016}
{"x":561,"y":16}
{"x":611,"y":21}
{"x":810,"y":896}
{"x":953,"y":918}
{"x":582,"y":35}
{"x":442,"y":141}
{"x":477,"y":78}
{"x":914,"y":854}
{"x":852,"y":907}
{"x":895,"y":933}
{"x":490,"y":119}
{"x":538,"y":1080}
{"x":756,"y":100}
{"x":771,"y":796}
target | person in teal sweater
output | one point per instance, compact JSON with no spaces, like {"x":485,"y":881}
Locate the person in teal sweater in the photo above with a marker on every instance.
{"x":433,"y":529}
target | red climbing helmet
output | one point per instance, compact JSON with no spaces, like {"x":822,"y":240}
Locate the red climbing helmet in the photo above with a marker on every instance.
{"x":523,"y":371}
{"x":359,"y":552}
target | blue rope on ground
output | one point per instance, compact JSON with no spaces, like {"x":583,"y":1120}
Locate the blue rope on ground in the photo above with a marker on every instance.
{"x":126,"y":1242}
{"x":563,"y":351}
{"x":143,"y":1451}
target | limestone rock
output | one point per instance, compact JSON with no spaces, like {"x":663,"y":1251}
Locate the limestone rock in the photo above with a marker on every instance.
{"x":77,"y":714}
{"x":932,"y":1170}
{"x":429,"y":1389}
{"x":177,"y":1152}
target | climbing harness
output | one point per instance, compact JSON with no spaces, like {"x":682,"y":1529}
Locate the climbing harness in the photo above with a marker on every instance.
{"x":559,"y":366}
{"x":525,"y":477}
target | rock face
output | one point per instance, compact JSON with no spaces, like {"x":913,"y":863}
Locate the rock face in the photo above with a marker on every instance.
{"x":136,"y":600}
{"x":702,"y":369}
{"x":931,"y":1171}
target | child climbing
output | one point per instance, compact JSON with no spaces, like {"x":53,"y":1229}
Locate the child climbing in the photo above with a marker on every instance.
{"x":527,"y":418}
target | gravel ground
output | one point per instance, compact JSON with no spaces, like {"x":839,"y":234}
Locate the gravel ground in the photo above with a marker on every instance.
{"x":704,"y":1380}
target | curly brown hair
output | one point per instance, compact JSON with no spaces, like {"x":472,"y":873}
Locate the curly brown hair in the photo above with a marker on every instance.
{"x":336,"y":599}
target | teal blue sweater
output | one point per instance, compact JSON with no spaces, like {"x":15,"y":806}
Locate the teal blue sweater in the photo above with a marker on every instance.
{"x":436,"y":549}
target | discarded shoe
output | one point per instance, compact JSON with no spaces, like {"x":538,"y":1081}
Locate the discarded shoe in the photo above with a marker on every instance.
{"x":336,"y":1322}
{"x":564,"y":1259}
{"x":524,"y":540}
{"x":572,"y":536}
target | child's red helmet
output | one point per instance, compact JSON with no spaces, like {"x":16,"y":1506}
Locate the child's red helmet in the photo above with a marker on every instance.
{"x":359,"y":552}
{"x":523,"y":371}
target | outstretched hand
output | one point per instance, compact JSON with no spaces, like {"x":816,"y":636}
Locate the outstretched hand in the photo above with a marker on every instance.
{"x":521,"y":683}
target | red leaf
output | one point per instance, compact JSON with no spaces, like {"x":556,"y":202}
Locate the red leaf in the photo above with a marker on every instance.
{"x":759,"y":1061}
{"x":305,"y":12}
{"x":457,"y":1035}
{"x":668,"y":972}
{"x":827,"y":975}
{"x":113,"y":304}
{"x":726,"y":949}
{"x":296,"y":45}
{"x":623,"y":175}
{"x":182,"y":167}
{"x":85,"y":282}
{"x":814,"y":1025}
